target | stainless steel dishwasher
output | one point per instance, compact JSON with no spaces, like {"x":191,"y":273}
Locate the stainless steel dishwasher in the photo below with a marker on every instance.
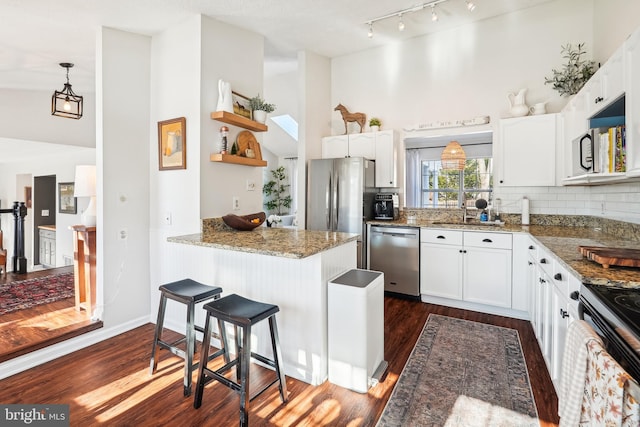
{"x":396,"y":252}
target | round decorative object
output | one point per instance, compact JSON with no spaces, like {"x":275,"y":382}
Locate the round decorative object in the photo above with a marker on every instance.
{"x":245,"y":222}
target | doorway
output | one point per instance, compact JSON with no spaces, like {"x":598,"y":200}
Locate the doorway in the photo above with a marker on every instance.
{"x":44,"y":221}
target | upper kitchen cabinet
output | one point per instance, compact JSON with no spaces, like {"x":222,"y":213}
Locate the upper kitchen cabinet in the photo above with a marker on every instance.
{"x":607,"y":84}
{"x":353,"y":145}
{"x":632,"y":102}
{"x":527,"y":150}
{"x":378,"y":146}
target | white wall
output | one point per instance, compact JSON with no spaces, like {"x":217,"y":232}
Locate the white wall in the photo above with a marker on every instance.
{"x":314,"y":86}
{"x":28,"y":116}
{"x":468,"y":72}
{"x":122,"y":144}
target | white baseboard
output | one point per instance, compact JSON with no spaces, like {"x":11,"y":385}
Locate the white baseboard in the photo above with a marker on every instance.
{"x":30,"y":360}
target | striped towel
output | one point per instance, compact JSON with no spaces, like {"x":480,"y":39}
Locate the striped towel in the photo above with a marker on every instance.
{"x":574,"y":368}
{"x":610,"y":394}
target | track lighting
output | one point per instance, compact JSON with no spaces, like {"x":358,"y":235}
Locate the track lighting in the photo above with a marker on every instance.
{"x":401,"y":26}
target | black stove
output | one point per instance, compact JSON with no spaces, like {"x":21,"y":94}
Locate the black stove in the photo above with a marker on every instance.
{"x":615,"y":315}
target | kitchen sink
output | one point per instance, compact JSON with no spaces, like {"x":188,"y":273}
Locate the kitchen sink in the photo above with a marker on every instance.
{"x":481,"y":223}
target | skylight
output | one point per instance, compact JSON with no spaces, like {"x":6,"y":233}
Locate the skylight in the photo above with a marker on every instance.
{"x":288,"y":124}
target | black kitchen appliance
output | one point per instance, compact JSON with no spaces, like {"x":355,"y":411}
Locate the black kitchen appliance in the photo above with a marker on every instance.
{"x":614,"y":313}
{"x":385,"y":206}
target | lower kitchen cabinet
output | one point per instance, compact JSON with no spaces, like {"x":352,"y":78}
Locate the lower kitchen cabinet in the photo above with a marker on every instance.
{"x":466,"y":266}
{"x":47,"y":250}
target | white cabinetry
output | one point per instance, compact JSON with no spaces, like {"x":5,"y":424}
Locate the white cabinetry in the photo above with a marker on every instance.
{"x":354,"y":145}
{"x":527,"y":150}
{"x":607,"y":84}
{"x":467,"y":266}
{"x":441,"y":263}
{"x":378,"y":146}
{"x":386,"y":158}
{"x":521,"y":272}
{"x":632,"y":102}
{"x":47,"y":247}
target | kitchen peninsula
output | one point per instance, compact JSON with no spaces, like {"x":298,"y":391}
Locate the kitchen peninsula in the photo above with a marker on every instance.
{"x":282,"y":266}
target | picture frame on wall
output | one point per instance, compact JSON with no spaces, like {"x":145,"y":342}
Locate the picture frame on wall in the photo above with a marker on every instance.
{"x":241,"y":105}
{"x":67,"y":202}
{"x":172,"y":144}
{"x":27,"y":197}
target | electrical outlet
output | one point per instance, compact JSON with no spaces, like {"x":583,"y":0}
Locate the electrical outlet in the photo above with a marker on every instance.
{"x":251,"y":185}
{"x":167,"y":218}
{"x":123,"y":234}
{"x":236,"y":203}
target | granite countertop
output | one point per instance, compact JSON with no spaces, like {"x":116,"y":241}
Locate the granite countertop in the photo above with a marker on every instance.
{"x":47,"y":227}
{"x":563,"y":242}
{"x":281,"y":242}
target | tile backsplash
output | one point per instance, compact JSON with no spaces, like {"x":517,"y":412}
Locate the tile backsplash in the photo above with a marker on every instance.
{"x":618,"y":201}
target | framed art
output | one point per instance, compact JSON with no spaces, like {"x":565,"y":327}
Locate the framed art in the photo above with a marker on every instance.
{"x":241,"y":105}
{"x":66,"y":201}
{"x":27,"y":197}
{"x":172,"y":144}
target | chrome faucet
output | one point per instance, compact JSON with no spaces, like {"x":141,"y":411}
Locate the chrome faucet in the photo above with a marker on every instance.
{"x":464,"y":214}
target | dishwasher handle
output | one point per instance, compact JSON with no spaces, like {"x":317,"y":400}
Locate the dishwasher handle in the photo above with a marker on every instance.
{"x":394,"y":232}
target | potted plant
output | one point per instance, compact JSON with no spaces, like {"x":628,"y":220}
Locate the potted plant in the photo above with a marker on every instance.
{"x":260,"y":108}
{"x":570,"y":79}
{"x":374,"y":124}
{"x":277,"y":189}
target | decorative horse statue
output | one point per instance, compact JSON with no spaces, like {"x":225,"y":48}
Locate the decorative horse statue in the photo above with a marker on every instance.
{"x":359,"y":118}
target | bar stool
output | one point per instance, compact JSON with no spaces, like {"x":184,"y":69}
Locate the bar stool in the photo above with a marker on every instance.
{"x":242,"y":313}
{"x":187,"y":292}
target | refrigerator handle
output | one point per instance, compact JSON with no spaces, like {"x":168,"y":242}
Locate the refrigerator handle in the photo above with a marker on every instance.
{"x":328,"y":203}
{"x":337,"y":197}
{"x":334,"y":202}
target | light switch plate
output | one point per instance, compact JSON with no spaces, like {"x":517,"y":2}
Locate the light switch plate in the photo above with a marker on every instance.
{"x":45,"y":212}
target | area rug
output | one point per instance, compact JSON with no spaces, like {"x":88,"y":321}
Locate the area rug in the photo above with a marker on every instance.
{"x":463,"y":373}
{"x":31,"y":292}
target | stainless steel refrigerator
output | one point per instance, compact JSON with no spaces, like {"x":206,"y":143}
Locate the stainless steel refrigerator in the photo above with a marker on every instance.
{"x":340,"y":194}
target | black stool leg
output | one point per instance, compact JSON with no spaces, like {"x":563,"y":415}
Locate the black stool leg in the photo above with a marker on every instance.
{"x":277,"y":358}
{"x":245,"y":359}
{"x":224,"y":344}
{"x":158,"y":333}
{"x":190,"y":348}
{"x":204,"y":359}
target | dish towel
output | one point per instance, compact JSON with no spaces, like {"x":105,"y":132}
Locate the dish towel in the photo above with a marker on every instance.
{"x":574,"y":368}
{"x":610,"y":395}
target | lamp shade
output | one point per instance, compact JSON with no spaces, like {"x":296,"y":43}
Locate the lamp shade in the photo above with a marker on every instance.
{"x":85,"y":182}
{"x":453,"y":156}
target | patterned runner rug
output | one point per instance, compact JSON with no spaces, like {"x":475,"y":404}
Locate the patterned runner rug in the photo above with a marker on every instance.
{"x":463,"y":373}
{"x":31,"y":292}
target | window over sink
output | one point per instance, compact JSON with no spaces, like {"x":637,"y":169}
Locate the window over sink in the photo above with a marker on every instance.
{"x":429,"y":186}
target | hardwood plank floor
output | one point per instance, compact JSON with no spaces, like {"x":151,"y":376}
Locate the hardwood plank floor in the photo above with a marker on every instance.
{"x":109,"y":383}
{"x":27,"y":330}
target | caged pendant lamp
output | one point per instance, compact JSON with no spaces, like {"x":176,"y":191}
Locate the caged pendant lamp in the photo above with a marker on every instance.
{"x":453,"y":157}
{"x":66,"y":103}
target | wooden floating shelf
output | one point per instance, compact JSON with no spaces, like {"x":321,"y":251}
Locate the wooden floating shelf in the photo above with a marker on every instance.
{"x":236,"y":120}
{"x":238,"y":160}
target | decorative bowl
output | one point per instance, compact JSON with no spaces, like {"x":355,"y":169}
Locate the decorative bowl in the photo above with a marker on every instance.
{"x":245,"y":222}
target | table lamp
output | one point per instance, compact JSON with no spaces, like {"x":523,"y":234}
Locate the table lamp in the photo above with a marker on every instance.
{"x":85,"y":186}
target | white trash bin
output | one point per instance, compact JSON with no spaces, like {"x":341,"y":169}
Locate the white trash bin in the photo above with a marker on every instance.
{"x":356,"y":329}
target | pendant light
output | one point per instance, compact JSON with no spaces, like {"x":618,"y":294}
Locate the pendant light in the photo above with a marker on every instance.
{"x":453,"y":157}
{"x":66,"y":103}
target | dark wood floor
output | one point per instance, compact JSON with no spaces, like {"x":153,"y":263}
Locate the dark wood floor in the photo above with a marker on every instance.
{"x":109,"y":383}
{"x":27,"y":330}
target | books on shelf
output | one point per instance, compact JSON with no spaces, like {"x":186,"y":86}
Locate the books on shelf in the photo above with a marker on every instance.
{"x":612,"y":149}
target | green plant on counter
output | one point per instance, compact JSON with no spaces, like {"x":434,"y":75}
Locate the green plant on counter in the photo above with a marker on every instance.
{"x":575,"y":73}
{"x":257,"y":103}
{"x":277,"y":189}
{"x":374,"y":121}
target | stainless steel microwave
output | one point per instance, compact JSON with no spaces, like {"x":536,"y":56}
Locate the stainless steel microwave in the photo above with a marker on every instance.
{"x":585,"y":153}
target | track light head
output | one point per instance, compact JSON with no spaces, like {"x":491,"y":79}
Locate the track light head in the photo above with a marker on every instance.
{"x":470,"y":5}
{"x":400,"y":23}
{"x":434,"y":14}
{"x":370,"y":33}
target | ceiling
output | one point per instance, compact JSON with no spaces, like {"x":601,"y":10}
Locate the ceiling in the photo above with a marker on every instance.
{"x":36,"y":35}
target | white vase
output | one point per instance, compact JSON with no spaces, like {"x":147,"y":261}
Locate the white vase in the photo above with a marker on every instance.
{"x":374,"y":128}
{"x":259,"y":116}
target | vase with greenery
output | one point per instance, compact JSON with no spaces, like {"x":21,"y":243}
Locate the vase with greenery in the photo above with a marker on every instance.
{"x":575,"y":73}
{"x":374,"y":124}
{"x":276,"y":189}
{"x":260,"y":108}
